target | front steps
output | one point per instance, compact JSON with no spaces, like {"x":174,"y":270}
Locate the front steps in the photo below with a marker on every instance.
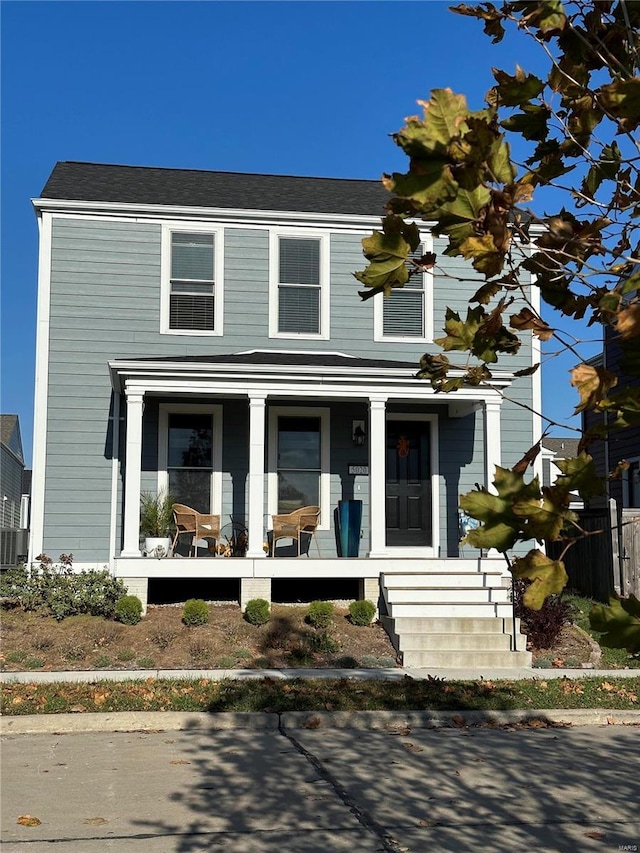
{"x":454,"y":614}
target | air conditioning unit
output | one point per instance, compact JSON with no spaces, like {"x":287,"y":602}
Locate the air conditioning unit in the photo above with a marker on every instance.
{"x":14,"y":546}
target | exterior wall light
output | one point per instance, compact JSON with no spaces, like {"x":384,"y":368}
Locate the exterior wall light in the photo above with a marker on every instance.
{"x":357,"y":433}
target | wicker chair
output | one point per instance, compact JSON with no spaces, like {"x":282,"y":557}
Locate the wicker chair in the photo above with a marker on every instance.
{"x":200,"y":526}
{"x":292,"y":525}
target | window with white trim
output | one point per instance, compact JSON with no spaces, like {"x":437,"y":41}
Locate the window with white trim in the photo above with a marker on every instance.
{"x":299,"y":276}
{"x":190,"y":454}
{"x":405,"y":314}
{"x":299,"y":459}
{"x":192,"y":287}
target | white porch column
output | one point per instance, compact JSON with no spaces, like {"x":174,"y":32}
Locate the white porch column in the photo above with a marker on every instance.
{"x":492,"y":441}
{"x":256,"y":474}
{"x":377,"y":475}
{"x":132,"y":476}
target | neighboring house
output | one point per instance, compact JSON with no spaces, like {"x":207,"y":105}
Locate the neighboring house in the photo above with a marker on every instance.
{"x":14,"y":518}
{"x":554,"y":450}
{"x":203,"y":331}
{"x":619,"y":445}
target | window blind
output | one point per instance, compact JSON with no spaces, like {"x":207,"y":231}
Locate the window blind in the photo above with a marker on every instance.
{"x":191,"y":301}
{"x":299,"y":290}
{"x":403,"y":311}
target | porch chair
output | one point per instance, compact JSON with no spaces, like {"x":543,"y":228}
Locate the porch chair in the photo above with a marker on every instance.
{"x":200,"y":526}
{"x":293,"y":524}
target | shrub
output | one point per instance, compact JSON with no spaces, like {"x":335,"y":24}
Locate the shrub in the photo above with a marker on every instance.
{"x":163,"y":637}
{"x":257,"y":611}
{"x":320,"y":614}
{"x":542,"y":626}
{"x":195,"y":612}
{"x":146,"y":663}
{"x":362,"y":612}
{"x":128,"y":610}
{"x":323,"y":643}
{"x":56,"y":590}
{"x":126,"y":655}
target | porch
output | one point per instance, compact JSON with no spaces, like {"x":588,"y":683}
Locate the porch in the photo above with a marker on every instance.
{"x":281,"y":431}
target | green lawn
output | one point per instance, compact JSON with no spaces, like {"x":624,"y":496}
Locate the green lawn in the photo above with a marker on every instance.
{"x":611,"y":658}
{"x":268,"y":695}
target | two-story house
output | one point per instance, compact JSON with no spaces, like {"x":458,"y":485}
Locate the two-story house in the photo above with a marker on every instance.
{"x":202,"y":331}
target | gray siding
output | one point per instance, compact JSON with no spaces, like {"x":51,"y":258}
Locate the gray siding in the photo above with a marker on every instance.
{"x":105,"y":304}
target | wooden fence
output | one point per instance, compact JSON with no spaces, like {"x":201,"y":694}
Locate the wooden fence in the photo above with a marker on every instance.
{"x":630,"y":552}
{"x":608,"y":560}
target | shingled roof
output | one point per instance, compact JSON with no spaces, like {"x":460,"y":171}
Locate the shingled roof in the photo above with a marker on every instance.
{"x":146,"y":185}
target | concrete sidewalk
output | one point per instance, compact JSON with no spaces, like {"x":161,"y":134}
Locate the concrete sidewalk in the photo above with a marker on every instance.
{"x":392,"y":674}
{"x":306,"y":790}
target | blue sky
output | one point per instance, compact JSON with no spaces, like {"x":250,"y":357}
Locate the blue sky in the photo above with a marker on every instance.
{"x":309,"y":88}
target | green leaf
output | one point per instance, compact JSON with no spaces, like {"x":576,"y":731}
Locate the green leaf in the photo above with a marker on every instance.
{"x":460,"y":334}
{"x":428,"y":185}
{"x":580,"y":474}
{"x":545,"y":518}
{"x":547,"y":576}
{"x":388,"y":251}
{"x":619,"y":623}
{"x":621,"y":99}
{"x":513,"y":91}
{"x":548,"y":15}
{"x":486,"y":257}
{"x":458,"y":217}
{"x":499,"y":161}
{"x":501,"y":528}
{"x":532,"y":123}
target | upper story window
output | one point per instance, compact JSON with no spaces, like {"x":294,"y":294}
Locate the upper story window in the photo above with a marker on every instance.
{"x":192,"y":281}
{"x":406,"y":314}
{"x":299,"y":266}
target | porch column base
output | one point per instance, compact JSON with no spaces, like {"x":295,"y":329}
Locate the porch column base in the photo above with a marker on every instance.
{"x":140,"y":588}
{"x":254,"y":588}
{"x":369,"y":589}
{"x":128,"y":553}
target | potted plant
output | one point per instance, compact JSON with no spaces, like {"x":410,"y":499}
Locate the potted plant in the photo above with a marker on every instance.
{"x":156,"y":522}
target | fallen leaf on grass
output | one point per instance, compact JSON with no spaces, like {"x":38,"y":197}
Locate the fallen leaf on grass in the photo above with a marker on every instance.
{"x":28,"y":820}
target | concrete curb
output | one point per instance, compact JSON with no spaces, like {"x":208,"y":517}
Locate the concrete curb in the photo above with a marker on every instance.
{"x":394,"y":674}
{"x":392,"y":722}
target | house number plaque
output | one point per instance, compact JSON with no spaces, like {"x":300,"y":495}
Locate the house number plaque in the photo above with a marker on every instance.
{"x":359,"y":469}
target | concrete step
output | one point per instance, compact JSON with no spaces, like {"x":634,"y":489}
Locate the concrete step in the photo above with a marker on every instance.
{"x":453,"y":642}
{"x":474,"y":609}
{"x":463,"y":659}
{"x":454,"y":625}
{"x":450,"y":594}
{"x":442,"y":579}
